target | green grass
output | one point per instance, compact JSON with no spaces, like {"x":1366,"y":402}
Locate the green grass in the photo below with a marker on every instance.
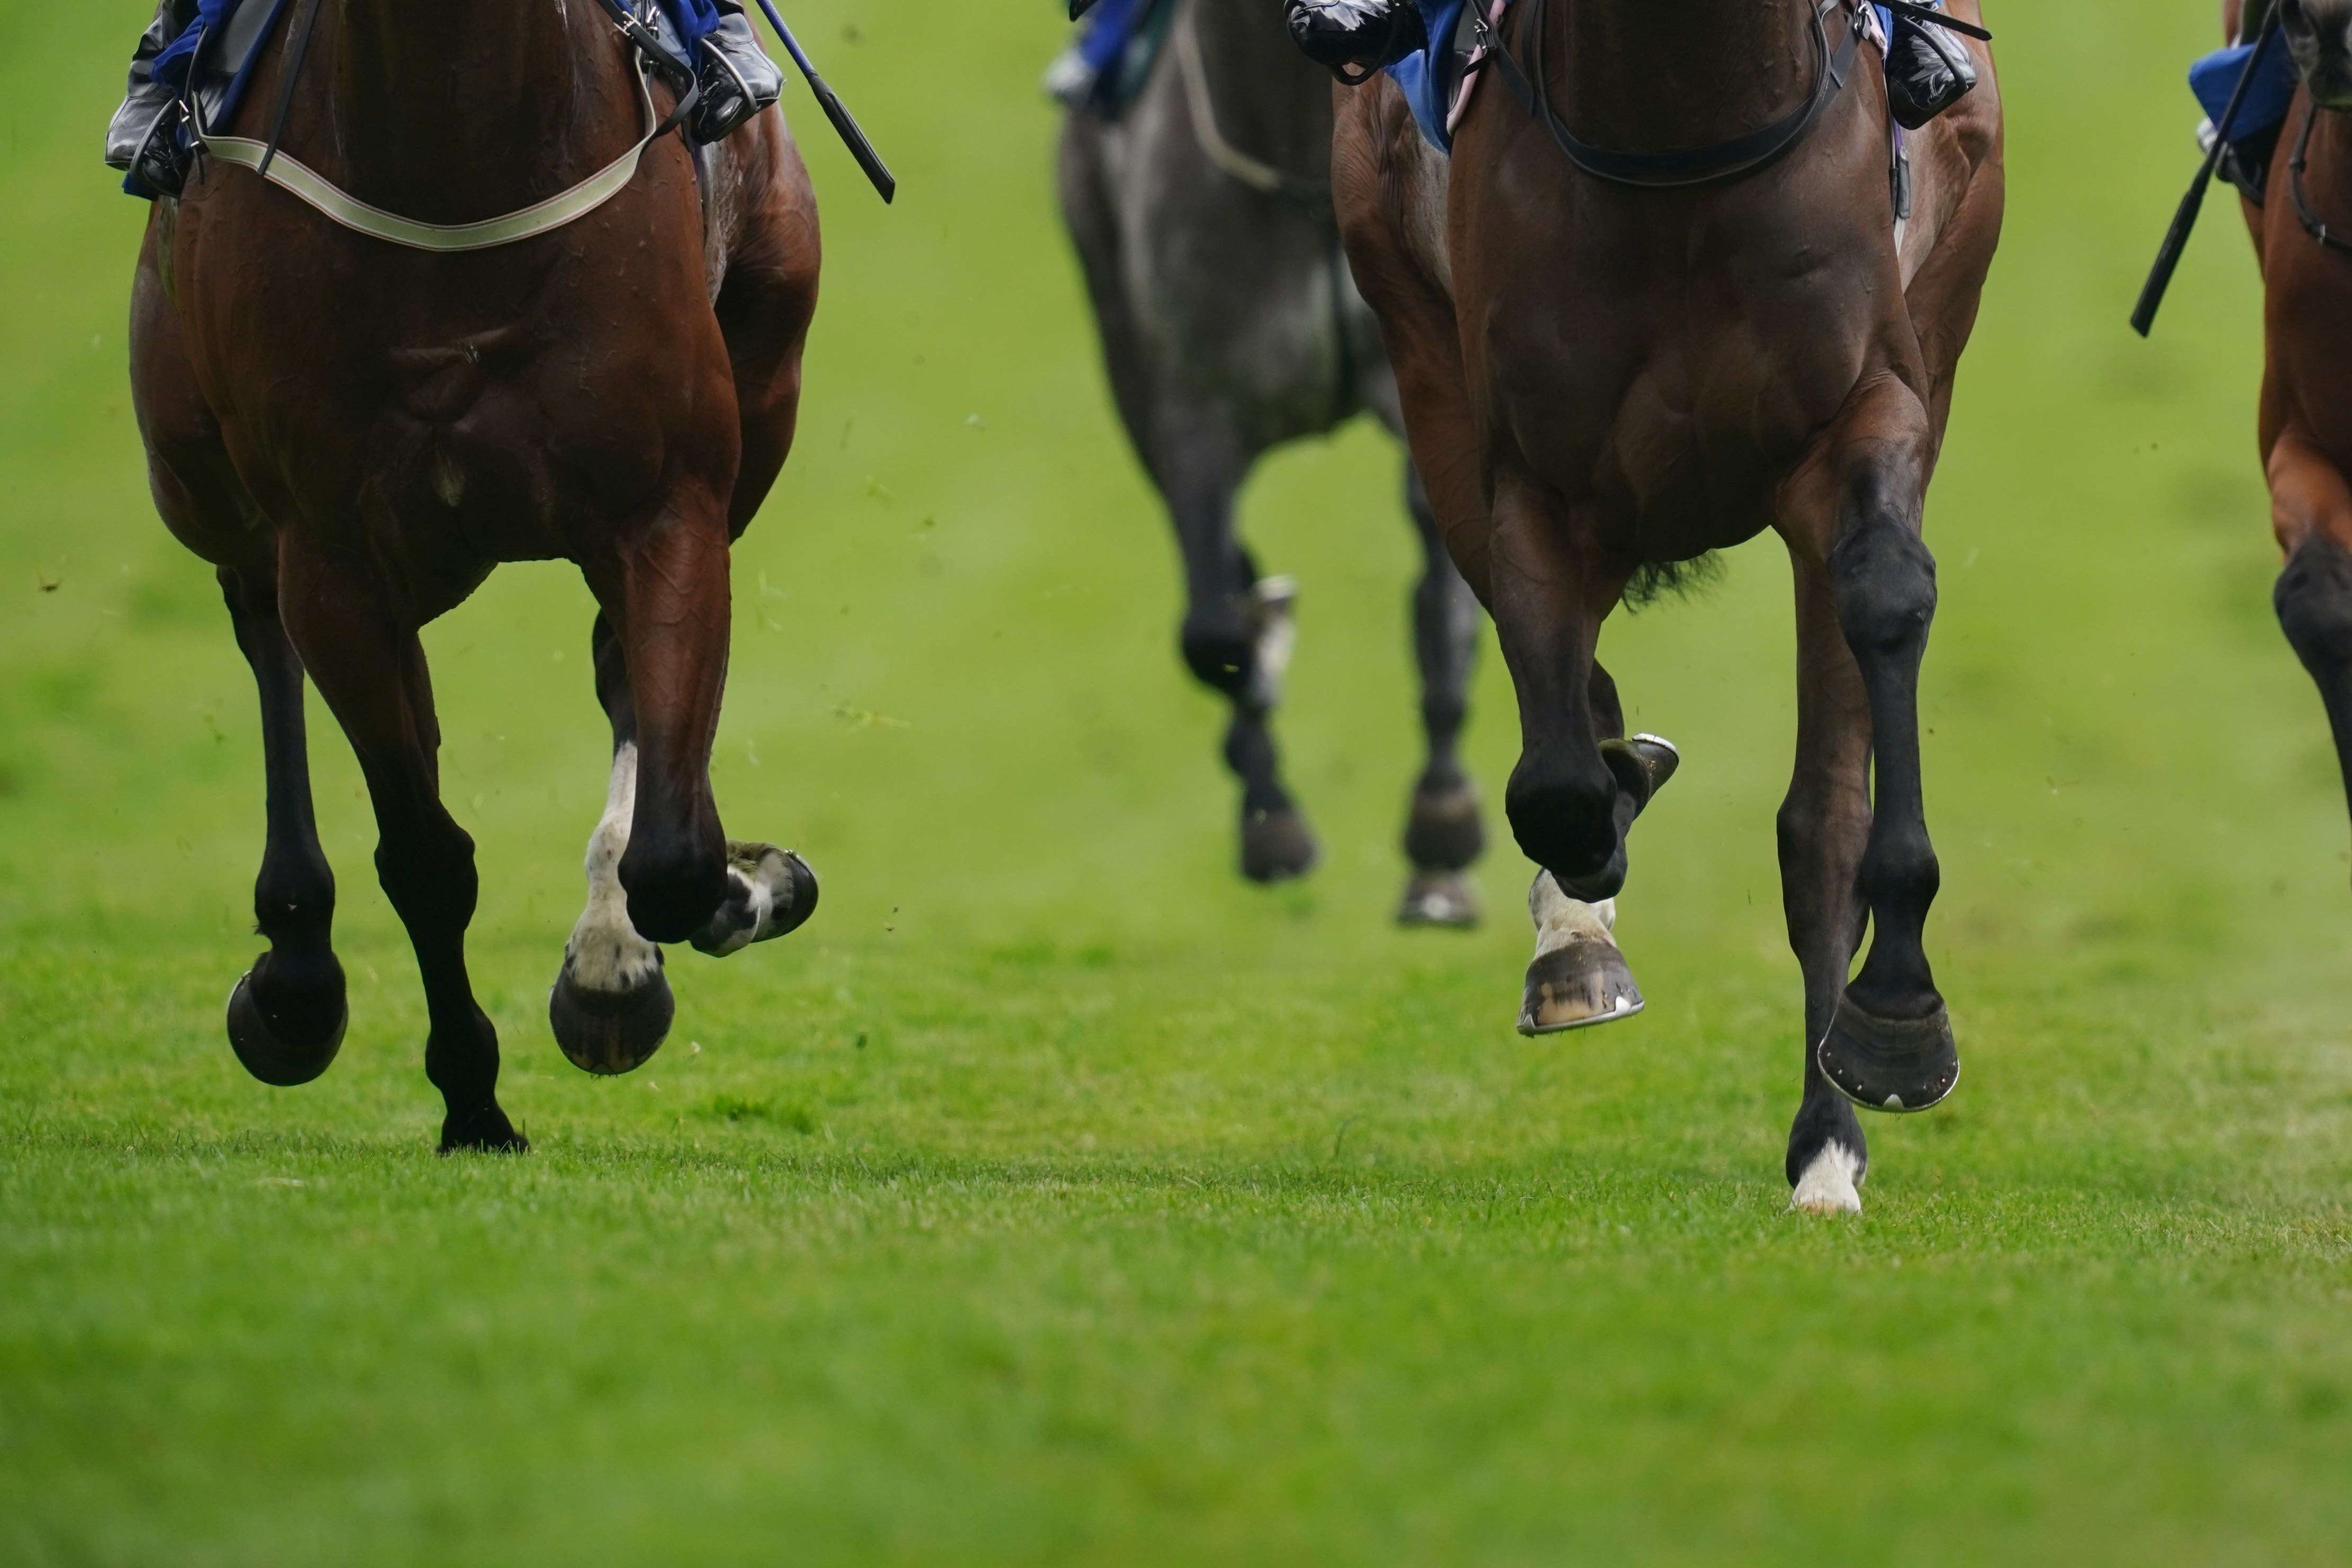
{"x":1056,"y":1198}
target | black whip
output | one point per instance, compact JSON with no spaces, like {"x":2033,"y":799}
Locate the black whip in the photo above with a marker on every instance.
{"x":2176,"y":239}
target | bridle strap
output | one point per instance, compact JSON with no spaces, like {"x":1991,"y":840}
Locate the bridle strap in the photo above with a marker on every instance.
{"x":2312,"y":223}
{"x":1696,"y":167}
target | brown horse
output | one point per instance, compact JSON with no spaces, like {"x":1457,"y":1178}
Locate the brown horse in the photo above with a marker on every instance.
{"x":1721,"y":331}
{"x":2303,"y":238}
{"x":355,"y":433}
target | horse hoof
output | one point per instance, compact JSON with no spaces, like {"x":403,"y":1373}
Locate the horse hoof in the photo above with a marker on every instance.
{"x":1831,"y":1182}
{"x":607,"y":1033}
{"x":772,"y":893}
{"x":1577,"y":986}
{"x":1890,"y":1064}
{"x":269,"y":1052}
{"x":1643,"y":765}
{"x":1444,"y":832}
{"x":486,"y":1132}
{"x":1439,"y":898}
{"x":1275,"y":845}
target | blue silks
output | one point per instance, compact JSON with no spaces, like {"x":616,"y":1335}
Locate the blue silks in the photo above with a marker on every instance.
{"x":2215,"y":78}
{"x":1109,"y":28}
{"x":1425,"y":76}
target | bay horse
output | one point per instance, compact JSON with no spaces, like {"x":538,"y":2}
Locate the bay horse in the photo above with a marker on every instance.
{"x":1657,"y":303}
{"x":354,"y":433}
{"x":1202,"y":218}
{"x":2302,"y":239}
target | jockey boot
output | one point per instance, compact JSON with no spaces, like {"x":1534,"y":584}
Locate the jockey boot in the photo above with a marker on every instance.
{"x":1928,"y":71}
{"x":1353,"y":38}
{"x":738,"y":78}
{"x":143,"y":140}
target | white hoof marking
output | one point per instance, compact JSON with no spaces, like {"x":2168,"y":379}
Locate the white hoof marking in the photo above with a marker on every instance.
{"x":1561,"y":920}
{"x":605,"y":955}
{"x":1831,"y":1185}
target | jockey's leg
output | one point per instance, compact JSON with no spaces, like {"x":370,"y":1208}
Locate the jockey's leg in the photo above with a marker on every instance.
{"x":738,"y":78}
{"x":140,"y":134}
{"x":1928,"y":70}
{"x":1353,"y":36}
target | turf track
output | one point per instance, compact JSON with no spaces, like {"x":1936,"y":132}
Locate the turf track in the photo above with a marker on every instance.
{"x":1055,"y":1197}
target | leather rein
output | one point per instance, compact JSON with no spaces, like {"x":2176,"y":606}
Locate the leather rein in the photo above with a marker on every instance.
{"x":1694,"y":167}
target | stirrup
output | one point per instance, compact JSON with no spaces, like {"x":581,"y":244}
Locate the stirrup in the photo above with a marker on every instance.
{"x":738,"y":78}
{"x":1928,"y":71}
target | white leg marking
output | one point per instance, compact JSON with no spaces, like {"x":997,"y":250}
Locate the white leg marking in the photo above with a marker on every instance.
{"x":1561,"y":920}
{"x":605,"y":953}
{"x":1829,"y":1184}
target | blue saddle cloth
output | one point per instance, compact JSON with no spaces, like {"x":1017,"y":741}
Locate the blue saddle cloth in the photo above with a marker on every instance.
{"x":1426,"y":75}
{"x":2215,"y":78}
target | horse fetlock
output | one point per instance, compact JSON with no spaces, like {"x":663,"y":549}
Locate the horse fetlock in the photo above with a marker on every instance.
{"x":1220,"y":652}
{"x":1445,"y":830}
{"x":1899,"y":869}
{"x":1568,"y":825}
{"x":672,"y":890}
{"x":1883,"y":579}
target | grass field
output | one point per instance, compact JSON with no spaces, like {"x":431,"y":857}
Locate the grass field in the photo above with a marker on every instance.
{"x":1055,"y":1197}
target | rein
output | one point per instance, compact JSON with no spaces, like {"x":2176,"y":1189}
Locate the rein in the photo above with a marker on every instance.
{"x":1696,"y":167}
{"x":2312,"y":223}
{"x":1230,"y":160}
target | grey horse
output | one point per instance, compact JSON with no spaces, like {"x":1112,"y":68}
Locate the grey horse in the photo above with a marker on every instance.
{"x":1231,"y":325}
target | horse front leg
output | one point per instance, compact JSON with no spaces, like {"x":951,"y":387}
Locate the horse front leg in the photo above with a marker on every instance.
{"x":370,"y":667}
{"x":2311,"y":509}
{"x":1825,"y":823}
{"x":286,"y":1016}
{"x":1578,"y":783}
{"x":1444,"y":834}
{"x":1889,"y":1044}
{"x":1237,"y":632}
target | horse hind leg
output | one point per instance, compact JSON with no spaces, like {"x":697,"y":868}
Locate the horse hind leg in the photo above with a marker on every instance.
{"x":370,"y":667}
{"x":1444,"y":834}
{"x":288,"y":1014}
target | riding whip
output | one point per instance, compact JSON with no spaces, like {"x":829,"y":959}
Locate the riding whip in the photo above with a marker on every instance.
{"x":2176,"y":239}
{"x":885,"y":182}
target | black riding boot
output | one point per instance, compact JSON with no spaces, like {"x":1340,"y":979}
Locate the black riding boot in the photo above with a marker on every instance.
{"x":738,"y":78}
{"x":143,"y":139}
{"x":1928,"y":71}
{"x":1352,"y":38}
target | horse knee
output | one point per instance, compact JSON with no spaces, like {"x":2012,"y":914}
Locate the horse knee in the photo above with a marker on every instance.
{"x":1882,"y":579}
{"x":1565,"y":819}
{"x":2313,"y":601}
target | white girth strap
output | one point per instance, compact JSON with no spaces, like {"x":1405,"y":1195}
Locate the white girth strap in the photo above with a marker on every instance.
{"x":291,"y":174}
